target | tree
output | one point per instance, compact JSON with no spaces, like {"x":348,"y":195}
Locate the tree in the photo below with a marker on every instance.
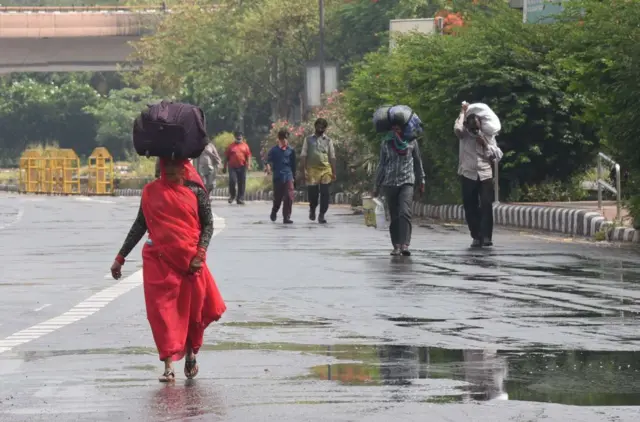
{"x":234,"y":55}
{"x":496,"y":60}
{"x":114,"y":115}
{"x":34,"y":112}
{"x":602,"y":54}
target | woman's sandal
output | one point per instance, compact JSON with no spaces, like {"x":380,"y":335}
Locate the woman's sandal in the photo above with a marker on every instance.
{"x":191,"y":368}
{"x":168,"y":376}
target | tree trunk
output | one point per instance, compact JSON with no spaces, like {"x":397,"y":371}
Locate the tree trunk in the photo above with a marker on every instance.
{"x":242,"y":110}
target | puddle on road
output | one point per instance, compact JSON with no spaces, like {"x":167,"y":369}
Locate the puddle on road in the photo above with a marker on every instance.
{"x":581,"y":378}
{"x":282,"y":323}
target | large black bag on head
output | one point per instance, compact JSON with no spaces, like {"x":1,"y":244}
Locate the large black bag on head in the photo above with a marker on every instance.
{"x":171,"y":130}
{"x":384,"y":118}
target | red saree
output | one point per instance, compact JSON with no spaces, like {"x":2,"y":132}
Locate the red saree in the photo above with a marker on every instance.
{"x":180,"y":305}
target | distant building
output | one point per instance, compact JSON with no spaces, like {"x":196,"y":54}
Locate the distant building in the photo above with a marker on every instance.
{"x":404,"y":26}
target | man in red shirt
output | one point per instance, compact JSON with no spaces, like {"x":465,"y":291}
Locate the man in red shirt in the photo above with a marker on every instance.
{"x":237,"y":158}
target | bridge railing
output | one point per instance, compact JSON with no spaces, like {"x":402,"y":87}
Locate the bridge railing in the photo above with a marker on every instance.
{"x":49,"y":9}
{"x":602,"y":184}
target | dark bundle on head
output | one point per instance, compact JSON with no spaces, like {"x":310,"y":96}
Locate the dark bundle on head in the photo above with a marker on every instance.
{"x":283,"y":134}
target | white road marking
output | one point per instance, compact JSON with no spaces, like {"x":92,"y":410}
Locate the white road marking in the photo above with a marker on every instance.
{"x":88,"y":199}
{"x":16,"y":219}
{"x":83,"y":309}
{"x":42,"y":307}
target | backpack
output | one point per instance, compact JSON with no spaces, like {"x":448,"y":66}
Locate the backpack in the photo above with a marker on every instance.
{"x":171,"y":130}
{"x":401,"y":115}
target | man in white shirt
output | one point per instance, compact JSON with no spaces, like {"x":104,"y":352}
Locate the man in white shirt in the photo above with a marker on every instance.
{"x":478,"y":151}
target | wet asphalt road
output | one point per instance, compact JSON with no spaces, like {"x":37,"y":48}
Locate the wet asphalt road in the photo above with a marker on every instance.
{"x":323,"y":325}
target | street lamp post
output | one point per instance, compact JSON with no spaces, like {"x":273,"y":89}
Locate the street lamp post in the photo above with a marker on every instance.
{"x":321,"y":52}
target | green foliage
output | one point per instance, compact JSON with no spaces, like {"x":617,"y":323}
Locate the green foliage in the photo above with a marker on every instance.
{"x":496,"y":60}
{"x":114,"y":115}
{"x":222,"y":141}
{"x":634,"y":210}
{"x":142,"y":167}
{"x":552,"y":191}
{"x":233,"y":56}
{"x":37,"y":112}
{"x":603,"y":54}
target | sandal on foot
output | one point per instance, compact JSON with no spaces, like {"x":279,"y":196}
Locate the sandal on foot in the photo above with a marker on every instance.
{"x":168,"y":376}
{"x":191,"y":368}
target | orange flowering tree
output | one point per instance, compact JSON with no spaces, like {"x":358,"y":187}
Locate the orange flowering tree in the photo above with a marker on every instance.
{"x":451,"y":21}
{"x":355,"y":158}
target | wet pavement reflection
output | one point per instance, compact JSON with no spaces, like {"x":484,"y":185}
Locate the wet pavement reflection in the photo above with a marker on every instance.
{"x":188,"y":400}
{"x":581,"y":378}
{"x":341,"y":332}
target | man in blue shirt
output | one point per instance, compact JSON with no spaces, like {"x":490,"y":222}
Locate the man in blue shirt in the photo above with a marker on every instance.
{"x":281,"y":162}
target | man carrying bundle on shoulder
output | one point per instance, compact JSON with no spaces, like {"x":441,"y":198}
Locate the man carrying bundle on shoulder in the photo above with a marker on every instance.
{"x":476,"y":128}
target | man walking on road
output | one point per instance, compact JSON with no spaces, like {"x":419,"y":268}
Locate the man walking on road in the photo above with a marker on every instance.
{"x":281,"y":162}
{"x":208,"y":166}
{"x":476,"y":156}
{"x":319,"y":169}
{"x":237,"y":159}
{"x":399,"y":172}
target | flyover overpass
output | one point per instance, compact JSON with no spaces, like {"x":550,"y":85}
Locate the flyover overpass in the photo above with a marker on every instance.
{"x":65,"y":39}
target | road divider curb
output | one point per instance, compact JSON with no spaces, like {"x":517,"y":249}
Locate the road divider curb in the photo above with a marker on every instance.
{"x":569,"y":221}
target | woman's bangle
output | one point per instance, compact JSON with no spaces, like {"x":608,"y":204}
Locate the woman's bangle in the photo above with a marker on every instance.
{"x":120,"y":259}
{"x":202,"y":253}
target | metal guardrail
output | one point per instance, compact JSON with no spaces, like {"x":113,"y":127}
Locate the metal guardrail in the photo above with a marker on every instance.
{"x":602,"y":184}
{"x":47,"y":9}
{"x":496,"y":183}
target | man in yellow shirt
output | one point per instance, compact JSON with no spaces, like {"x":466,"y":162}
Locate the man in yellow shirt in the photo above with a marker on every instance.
{"x":318,"y":159}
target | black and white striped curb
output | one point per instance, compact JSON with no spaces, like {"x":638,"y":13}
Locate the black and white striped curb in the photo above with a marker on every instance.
{"x":559,"y":220}
{"x":623,"y":234}
{"x":223,"y":193}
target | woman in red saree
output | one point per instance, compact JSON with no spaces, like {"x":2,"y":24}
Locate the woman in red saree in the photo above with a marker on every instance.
{"x":181,"y":296}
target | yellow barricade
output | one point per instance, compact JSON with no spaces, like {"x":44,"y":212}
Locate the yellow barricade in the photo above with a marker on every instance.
{"x":62,"y":172}
{"x":53,"y":171}
{"x":101,"y":172}
{"x":32,"y":172}
{"x":71,"y":172}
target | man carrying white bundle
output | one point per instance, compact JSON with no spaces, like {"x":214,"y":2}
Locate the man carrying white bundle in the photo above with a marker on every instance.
{"x":476,"y":128}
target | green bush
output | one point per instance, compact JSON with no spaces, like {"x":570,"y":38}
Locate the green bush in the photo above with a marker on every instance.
{"x":553,"y":191}
{"x":222,"y":141}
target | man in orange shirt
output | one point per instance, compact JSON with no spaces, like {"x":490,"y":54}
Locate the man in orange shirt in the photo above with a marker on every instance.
{"x":237,"y":159}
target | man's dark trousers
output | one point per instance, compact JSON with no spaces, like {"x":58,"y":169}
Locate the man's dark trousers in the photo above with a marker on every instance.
{"x":322,"y":191}
{"x":283,"y":193}
{"x":239,"y":176}
{"x":477,"y":199}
